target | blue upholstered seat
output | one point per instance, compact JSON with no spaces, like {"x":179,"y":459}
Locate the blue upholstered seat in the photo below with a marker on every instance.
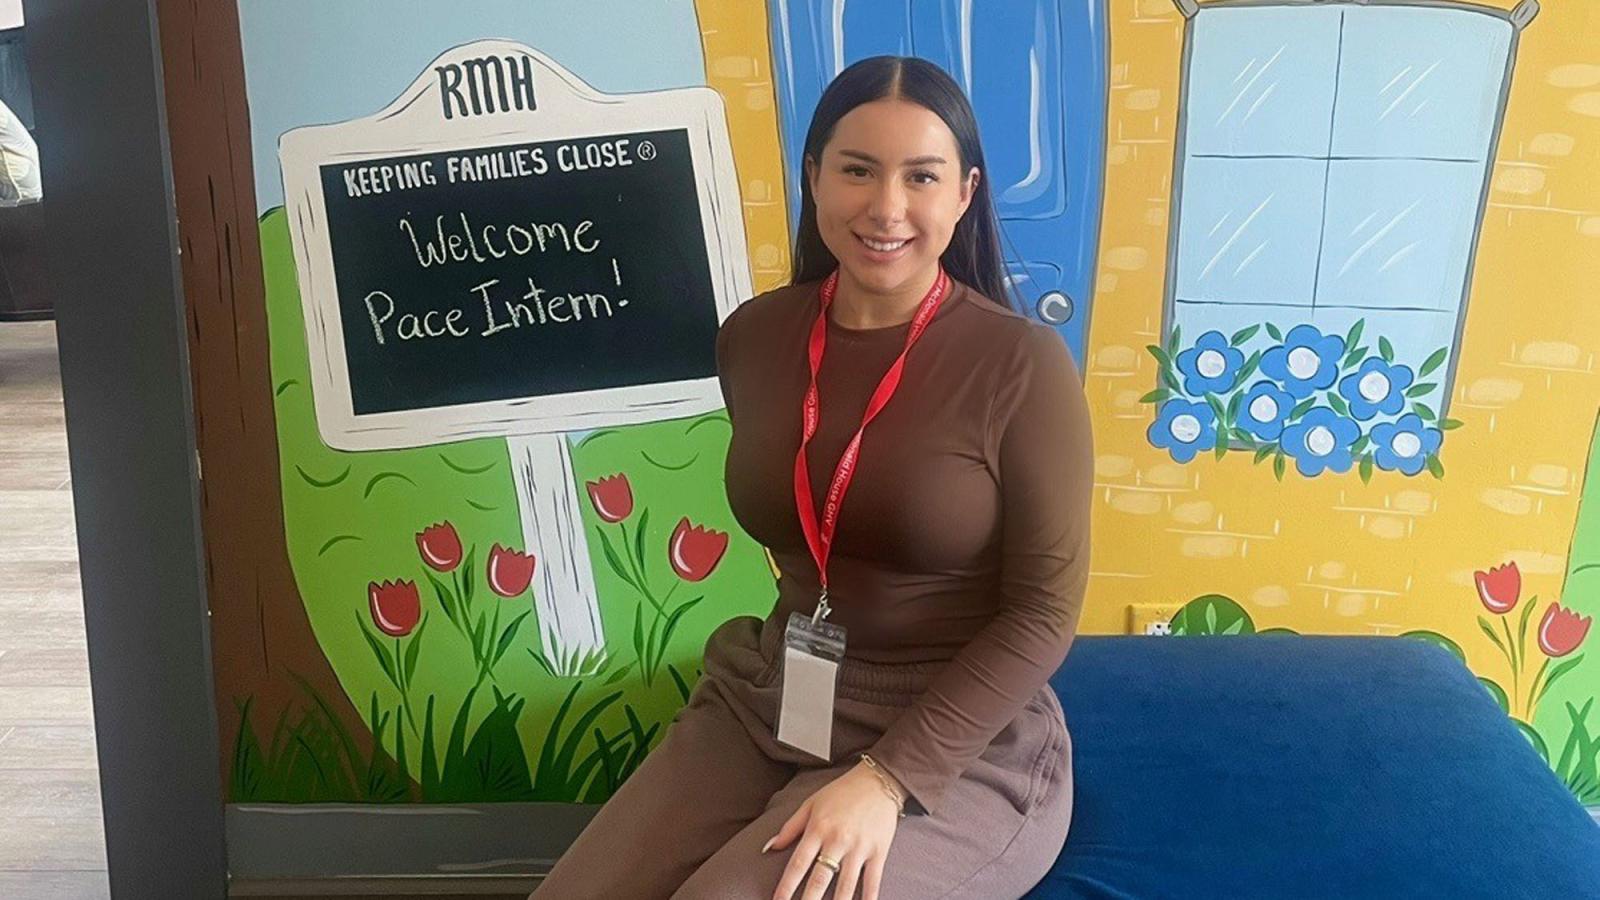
{"x":1285,"y":766}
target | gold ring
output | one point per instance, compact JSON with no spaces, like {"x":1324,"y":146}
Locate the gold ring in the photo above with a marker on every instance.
{"x":829,"y":863}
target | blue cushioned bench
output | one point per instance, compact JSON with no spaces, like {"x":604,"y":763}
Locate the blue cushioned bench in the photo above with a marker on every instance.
{"x":1286,"y":766}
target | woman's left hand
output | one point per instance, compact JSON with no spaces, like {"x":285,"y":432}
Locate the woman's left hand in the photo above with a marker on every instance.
{"x":852,"y":819}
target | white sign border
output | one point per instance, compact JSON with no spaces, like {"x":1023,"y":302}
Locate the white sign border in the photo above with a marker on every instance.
{"x":567,"y":108}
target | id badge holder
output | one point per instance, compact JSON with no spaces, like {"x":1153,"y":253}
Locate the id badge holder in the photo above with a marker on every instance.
{"x":812,"y":651}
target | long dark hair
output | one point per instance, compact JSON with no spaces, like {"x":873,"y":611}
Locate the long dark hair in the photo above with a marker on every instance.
{"x":974,"y":256}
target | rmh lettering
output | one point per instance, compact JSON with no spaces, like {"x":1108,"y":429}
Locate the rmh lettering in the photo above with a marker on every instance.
{"x":488,"y":84}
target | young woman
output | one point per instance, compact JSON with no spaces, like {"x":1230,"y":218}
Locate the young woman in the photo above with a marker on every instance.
{"x":952,"y":543}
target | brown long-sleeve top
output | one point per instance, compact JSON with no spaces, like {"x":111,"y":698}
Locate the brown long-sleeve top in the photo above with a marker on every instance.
{"x":965,"y":533}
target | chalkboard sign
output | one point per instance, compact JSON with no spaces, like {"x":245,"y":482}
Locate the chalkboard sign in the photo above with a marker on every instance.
{"x":520,"y":270}
{"x":504,"y":250}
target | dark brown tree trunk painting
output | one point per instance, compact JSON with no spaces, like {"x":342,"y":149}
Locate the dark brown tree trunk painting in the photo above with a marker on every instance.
{"x":263,"y":648}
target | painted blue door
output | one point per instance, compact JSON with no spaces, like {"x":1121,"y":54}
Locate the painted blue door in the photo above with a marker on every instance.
{"x":1036,"y":73}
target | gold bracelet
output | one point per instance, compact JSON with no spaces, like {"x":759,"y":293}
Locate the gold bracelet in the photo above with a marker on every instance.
{"x":888,"y":784}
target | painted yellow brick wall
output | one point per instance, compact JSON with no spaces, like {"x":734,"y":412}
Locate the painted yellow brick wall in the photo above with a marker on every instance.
{"x":739,"y":67}
{"x":1332,"y":554}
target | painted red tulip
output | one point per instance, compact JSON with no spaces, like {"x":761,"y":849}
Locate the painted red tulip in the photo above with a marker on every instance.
{"x":1562,"y":630}
{"x":695,"y":550}
{"x":396,"y":606}
{"x":612,"y":497}
{"x":440,"y":547}
{"x":1500,"y":587}
{"x":510,"y":572}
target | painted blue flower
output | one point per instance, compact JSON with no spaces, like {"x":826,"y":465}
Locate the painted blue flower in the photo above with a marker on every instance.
{"x":1263,"y":410}
{"x":1184,"y":429}
{"x":1210,"y":366}
{"x":1321,"y":440}
{"x":1405,"y":445}
{"x":1306,"y":361}
{"x":1376,"y":387}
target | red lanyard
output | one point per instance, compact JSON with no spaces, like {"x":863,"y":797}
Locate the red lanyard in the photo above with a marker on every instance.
{"x":820,"y":538}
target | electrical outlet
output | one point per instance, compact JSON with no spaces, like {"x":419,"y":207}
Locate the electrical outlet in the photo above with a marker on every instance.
{"x":1152,"y":618}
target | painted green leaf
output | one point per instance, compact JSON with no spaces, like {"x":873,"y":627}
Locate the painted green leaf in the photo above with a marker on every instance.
{"x":672,"y":621}
{"x":1435,"y":467}
{"x":413,"y":649}
{"x":380,"y":651}
{"x":679,"y":682}
{"x":509,"y":635}
{"x":1243,"y":334}
{"x":1354,"y":335}
{"x":638,"y":549}
{"x":445,"y":596}
{"x":1522,"y":628}
{"x":1273,"y":330}
{"x":1483,"y":624}
{"x":638,"y":632}
{"x":1212,"y":614}
{"x":615,"y":561}
{"x":1249,"y":368}
{"x":469,"y":576}
{"x":620,"y":674}
{"x":1560,"y":670}
{"x":1385,"y":349}
{"x":1435,"y":360}
{"x":1156,"y":396}
{"x":1217,"y":410}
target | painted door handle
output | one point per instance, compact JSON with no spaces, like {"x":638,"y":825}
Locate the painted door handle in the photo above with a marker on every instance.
{"x":1055,"y":308}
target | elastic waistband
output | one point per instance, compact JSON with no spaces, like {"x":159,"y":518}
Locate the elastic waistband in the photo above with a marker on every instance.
{"x":856,"y":677}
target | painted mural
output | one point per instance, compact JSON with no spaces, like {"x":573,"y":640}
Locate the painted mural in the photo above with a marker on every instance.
{"x":1325,"y":267}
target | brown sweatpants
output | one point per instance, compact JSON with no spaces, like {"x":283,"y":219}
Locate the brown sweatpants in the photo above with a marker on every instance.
{"x":690,"y":822}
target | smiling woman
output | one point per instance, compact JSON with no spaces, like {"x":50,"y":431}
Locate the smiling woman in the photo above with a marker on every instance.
{"x":961,"y":551}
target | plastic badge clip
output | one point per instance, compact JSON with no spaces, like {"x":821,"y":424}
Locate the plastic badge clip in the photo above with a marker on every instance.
{"x":822,"y":610}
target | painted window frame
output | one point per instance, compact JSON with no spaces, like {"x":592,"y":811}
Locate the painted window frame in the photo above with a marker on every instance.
{"x":1171,"y":381}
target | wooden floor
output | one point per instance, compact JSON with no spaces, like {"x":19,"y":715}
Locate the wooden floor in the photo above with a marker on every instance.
{"x":52,"y":840}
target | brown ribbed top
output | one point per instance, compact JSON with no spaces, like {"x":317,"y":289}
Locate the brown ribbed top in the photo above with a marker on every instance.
{"x":965,"y":533}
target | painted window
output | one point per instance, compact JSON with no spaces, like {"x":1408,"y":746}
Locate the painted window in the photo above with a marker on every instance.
{"x":1332,"y":167}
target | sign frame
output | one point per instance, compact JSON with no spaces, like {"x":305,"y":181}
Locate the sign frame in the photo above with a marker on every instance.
{"x":565,"y":108}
